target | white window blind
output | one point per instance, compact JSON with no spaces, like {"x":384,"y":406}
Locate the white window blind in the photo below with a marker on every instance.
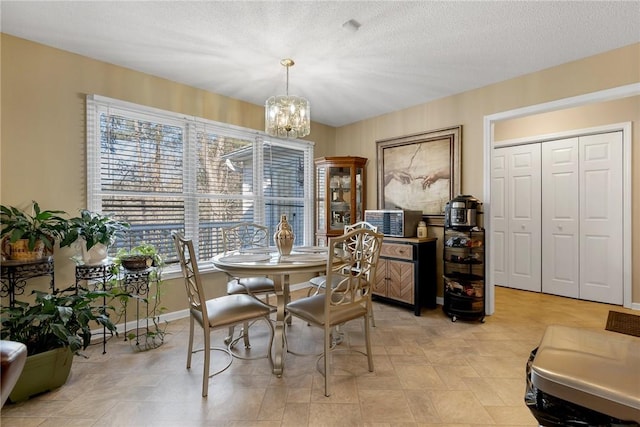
{"x":165,"y":172}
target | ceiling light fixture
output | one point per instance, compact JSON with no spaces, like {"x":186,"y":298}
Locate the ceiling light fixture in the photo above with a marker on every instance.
{"x":287,"y":116}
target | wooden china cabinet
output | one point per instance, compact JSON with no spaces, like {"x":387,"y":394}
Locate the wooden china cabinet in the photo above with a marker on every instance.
{"x":340,"y":195}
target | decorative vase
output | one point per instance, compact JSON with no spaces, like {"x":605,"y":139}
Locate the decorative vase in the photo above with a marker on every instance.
{"x":284,"y":237}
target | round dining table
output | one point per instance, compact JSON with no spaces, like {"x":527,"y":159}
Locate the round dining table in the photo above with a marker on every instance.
{"x":268,"y":262}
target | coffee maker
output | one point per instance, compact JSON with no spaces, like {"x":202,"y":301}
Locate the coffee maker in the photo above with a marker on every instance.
{"x":461,"y":211}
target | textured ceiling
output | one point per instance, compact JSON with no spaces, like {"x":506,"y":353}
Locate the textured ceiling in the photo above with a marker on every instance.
{"x":405,"y":53}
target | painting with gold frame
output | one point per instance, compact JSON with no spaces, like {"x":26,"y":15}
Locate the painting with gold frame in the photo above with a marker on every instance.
{"x":420,"y":171}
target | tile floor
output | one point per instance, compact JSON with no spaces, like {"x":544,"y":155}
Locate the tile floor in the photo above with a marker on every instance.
{"x":429,"y":371}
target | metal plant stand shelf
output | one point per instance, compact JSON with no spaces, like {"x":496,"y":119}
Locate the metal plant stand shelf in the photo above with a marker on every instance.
{"x":105,"y":276}
{"x":99,"y":276}
{"x":137,"y":282}
{"x":14,"y":276}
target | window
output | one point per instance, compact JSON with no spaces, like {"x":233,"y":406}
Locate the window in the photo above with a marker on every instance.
{"x":165,"y":172}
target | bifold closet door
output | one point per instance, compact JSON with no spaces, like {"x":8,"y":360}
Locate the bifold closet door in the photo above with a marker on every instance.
{"x":582,"y":218}
{"x":601,"y":203}
{"x":515,"y":217}
{"x":560,"y":218}
{"x":556,"y":217}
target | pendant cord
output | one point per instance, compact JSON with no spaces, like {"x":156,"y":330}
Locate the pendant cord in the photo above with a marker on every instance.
{"x":287,"y":81}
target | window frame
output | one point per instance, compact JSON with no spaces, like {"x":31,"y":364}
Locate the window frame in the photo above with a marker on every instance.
{"x":191,"y":125}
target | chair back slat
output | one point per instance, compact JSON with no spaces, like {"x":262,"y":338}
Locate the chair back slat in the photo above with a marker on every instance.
{"x":353,"y":258}
{"x":245,"y":235}
{"x":191,"y":274}
{"x":360,"y":224}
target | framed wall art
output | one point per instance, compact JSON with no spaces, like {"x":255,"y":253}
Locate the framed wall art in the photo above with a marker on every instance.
{"x":420,"y":171}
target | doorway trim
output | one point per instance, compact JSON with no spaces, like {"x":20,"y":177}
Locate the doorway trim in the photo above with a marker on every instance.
{"x":561,"y":104}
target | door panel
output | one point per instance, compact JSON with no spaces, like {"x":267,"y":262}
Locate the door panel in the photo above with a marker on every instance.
{"x":401,"y":276}
{"x":499,"y":263}
{"x":601,"y":261}
{"x":521,"y":256}
{"x":524,"y":213}
{"x":560,"y":218}
{"x":380,"y":282}
{"x":499,"y":249}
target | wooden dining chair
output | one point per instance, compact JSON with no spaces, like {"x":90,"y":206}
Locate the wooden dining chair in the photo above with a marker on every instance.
{"x":246,"y":236}
{"x":352,"y":260}
{"x":319,"y":282}
{"x":216,"y":313}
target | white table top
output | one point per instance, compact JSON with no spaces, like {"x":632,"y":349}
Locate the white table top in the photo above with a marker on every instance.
{"x":267,"y":260}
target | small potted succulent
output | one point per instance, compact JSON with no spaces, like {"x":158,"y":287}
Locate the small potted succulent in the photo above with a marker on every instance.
{"x":94,"y":233}
{"x":30,"y":236}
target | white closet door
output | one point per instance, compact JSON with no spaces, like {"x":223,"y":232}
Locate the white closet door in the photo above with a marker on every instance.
{"x":515,"y":217}
{"x":560,"y":218}
{"x":601,"y":260}
{"x":499,"y":250}
{"x":524,"y":213}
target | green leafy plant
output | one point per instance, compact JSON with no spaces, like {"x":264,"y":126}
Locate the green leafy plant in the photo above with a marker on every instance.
{"x":44,"y":225}
{"x":94,"y":228}
{"x":143,"y":251}
{"x":61,"y":319}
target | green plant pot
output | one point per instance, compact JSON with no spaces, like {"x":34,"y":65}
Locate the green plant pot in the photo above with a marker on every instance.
{"x":43,"y":372}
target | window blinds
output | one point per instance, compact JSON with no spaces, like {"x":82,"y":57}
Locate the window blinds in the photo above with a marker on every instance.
{"x":163,"y":172}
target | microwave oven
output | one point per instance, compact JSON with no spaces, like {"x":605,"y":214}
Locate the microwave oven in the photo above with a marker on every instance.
{"x":395,"y":222}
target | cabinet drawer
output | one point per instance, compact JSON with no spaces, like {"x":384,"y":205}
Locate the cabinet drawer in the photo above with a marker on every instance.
{"x":397,"y":250}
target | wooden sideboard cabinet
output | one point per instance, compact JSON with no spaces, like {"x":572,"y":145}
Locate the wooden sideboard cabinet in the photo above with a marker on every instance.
{"x":406,"y":273}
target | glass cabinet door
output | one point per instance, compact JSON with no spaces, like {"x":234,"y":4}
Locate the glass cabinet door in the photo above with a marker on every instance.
{"x":340,"y":195}
{"x":321,"y":204}
{"x":359,"y":203}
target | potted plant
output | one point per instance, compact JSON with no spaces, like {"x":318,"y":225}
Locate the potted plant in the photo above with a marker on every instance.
{"x":95,"y":232}
{"x":137,"y":262}
{"x":139,"y":257}
{"x":54,"y":328}
{"x":26,"y":236}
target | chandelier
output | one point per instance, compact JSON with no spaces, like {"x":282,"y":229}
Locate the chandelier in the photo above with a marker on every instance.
{"x":287,"y":116}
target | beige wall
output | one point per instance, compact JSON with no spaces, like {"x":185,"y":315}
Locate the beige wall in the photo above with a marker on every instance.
{"x":611,"y":69}
{"x":42,"y":146}
{"x":42,"y":151}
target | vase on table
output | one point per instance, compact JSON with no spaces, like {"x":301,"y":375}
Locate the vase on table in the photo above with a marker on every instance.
{"x":284,"y":237}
